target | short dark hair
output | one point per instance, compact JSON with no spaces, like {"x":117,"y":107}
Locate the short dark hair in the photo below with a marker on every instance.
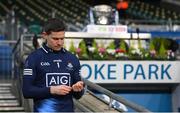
{"x":54,"y":25}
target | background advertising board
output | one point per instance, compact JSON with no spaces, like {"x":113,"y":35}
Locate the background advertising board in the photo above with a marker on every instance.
{"x":107,"y":29}
{"x":131,"y":71}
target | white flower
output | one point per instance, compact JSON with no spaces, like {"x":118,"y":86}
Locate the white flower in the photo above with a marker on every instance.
{"x":91,"y":49}
{"x":173,"y":55}
{"x":120,"y":55}
{"x":136,"y":51}
{"x":111,"y":51}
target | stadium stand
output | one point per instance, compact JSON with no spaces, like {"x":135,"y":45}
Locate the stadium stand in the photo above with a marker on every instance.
{"x":36,"y":12}
{"x":142,"y":16}
{"x":76,"y":13}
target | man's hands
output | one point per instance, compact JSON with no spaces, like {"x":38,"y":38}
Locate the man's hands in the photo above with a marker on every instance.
{"x":78,"y":86}
{"x":60,"y":90}
{"x":64,"y":90}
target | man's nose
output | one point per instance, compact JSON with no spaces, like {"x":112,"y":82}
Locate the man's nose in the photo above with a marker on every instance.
{"x":59,"y":41}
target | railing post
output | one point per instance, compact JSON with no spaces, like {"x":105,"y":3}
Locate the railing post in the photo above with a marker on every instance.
{"x":21,"y":45}
{"x":110,"y":102}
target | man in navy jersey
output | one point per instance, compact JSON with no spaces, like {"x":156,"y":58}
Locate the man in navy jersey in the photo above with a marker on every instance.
{"x":51,"y":73}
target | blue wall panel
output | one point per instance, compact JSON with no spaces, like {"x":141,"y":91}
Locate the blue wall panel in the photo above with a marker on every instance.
{"x":155,"y":102}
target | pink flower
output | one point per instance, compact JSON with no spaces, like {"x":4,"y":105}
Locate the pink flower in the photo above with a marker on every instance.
{"x":78,"y":50}
{"x":102,"y":50}
{"x":153,"y":52}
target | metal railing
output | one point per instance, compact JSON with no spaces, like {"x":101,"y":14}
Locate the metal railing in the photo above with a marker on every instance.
{"x":18,"y":62}
{"x":114,"y":96}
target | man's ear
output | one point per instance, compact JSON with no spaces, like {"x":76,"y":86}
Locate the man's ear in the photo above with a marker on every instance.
{"x":44,"y":35}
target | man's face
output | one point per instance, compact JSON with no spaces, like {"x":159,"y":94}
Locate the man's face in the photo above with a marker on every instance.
{"x":55,"y":40}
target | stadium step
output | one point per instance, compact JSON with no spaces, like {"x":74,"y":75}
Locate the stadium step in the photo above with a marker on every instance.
{"x":9,"y":104}
{"x":11,"y":109}
{"x":5,"y":91}
{"x":5,"y":85}
{"x":8,"y":101}
{"x":4,"y":88}
{"x":7,"y":97}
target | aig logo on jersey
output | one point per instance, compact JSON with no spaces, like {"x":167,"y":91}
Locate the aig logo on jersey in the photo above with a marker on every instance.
{"x":53,"y":79}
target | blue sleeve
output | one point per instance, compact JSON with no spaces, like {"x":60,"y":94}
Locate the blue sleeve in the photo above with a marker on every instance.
{"x":77,"y":78}
{"x":29,"y":89}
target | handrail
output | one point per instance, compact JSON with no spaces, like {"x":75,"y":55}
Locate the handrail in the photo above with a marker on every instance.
{"x":18,"y":52}
{"x":114,"y":96}
{"x":18,"y":41}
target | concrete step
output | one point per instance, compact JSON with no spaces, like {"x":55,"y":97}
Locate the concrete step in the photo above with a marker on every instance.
{"x":9,"y":94}
{"x":7,"y":97}
{"x":11,"y":109}
{"x":5,"y":91}
{"x":5,"y":88}
{"x":8,"y":101}
{"x":5,"y":84}
{"x":9,"y":104}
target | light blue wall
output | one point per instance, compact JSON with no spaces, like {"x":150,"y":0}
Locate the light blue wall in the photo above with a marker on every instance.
{"x":176,"y":99}
{"x":155,"y":102}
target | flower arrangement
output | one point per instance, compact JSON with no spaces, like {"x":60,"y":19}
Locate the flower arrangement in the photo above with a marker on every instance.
{"x":157,"y":51}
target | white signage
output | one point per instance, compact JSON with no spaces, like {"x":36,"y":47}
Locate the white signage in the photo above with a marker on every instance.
{"x":107,"y":29}
{"x":131,"y":71}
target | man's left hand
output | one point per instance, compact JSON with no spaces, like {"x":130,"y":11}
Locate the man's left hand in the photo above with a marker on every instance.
{"x":79,"y":86}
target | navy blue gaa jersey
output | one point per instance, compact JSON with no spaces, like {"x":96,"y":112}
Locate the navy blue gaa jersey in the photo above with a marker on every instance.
{"x":44,"y":68}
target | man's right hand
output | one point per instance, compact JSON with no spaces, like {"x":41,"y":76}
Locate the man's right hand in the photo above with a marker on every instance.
{"x":60,"y":90}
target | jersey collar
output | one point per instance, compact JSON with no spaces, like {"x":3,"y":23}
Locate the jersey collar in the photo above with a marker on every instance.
{"x":49,"y":50}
